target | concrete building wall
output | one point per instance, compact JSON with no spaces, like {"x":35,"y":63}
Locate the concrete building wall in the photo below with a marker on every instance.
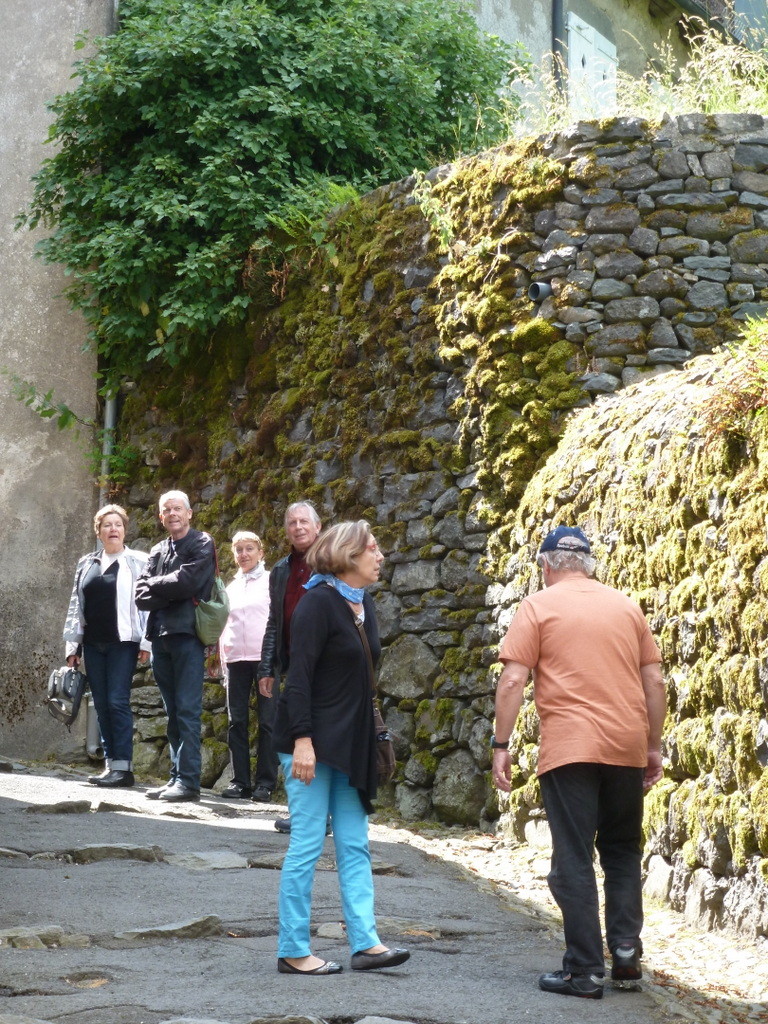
{"x":47,"y":496}
{"x":631,"y":25}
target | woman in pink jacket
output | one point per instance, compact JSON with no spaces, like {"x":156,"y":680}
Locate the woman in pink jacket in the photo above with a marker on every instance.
{"x":240,"y":646}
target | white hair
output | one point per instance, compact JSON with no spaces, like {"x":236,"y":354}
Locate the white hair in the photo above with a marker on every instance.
{"x":568,"y":561}
{"x":303,"y":504}
{"x":175,"y":496}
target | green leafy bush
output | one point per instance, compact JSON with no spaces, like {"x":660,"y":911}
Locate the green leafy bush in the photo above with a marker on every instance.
{"x":192,"y":124}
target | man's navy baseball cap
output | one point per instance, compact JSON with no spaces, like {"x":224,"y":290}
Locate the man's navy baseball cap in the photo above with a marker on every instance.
{"x":566,"y":538}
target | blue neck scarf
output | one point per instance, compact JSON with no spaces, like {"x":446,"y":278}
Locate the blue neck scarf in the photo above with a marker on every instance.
{"x":354,"y":594}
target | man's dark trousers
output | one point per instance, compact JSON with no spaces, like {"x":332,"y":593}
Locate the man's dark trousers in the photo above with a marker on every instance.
{"x":592,"y":805}
{"x":177,"y":664}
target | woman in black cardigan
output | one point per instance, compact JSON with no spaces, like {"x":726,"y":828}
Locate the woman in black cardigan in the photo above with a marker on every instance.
{"x":324,"y":733}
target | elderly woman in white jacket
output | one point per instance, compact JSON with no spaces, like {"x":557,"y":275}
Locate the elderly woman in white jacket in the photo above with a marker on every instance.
{"x":106,"y":629}
{"x":240,"y":647}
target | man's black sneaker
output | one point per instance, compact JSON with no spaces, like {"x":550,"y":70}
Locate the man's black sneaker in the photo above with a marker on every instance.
{"x":626,"y":970}
{"x":586,"y":986}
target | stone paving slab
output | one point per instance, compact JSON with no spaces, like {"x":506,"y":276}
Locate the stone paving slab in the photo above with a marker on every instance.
{"x":189,"y":934}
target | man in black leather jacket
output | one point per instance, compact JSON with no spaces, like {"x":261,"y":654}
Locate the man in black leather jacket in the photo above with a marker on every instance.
{"x":286,"y":588}
{"x":179,"y":573}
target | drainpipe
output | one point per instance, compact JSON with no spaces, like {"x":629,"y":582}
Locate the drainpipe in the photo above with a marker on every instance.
{"x":107,"y":444}
{"x":559,"y":48}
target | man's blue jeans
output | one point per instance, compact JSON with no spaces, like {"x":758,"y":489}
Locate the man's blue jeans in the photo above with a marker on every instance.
{"x":309,"y":806}
{"x":177,"y":664}
{"x":110,"y":668}
{"x":592,"y":805}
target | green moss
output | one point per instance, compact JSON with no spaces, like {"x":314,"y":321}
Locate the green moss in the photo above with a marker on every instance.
{"x":758,"y":805}
{"x":427,"y":760}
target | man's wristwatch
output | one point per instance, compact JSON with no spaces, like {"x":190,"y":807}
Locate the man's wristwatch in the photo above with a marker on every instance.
{"x":496,"y":745}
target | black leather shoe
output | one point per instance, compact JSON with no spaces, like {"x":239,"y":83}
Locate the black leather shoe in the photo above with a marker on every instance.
{"x":626,"y":971}
{"x":154,"y":794}
{"x":177,"y":793}
{"x":261,"y":795}
{"x":235,"y":791}
{"x":94,"y":779}
{"x":116,"y":779}
{"x":586,"y":986}
{"x":329,"y":967}
{"x":375,"y":961}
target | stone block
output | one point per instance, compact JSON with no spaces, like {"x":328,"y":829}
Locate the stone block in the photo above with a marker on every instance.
{"x":719,"y":227}
{"x":673,"y":165}
{"x":667,"y":355}
{"x":639,"y":176}
{"x":619,"y":264}
{"x":617,"y":340}
{"x":644,"y":241}
{"x":604,"y":243}
{"x":662,"y":335}
{"x":415,"y":577}
{"x":750,"y":247}
{"x":408,"y":669}
{"x":658,"y":879}
{"x":661,"y":284}
{"x":618,"y":217}
{"x":717,"y":164}
{"x":413,"y":803}
{"x":388,"y":612}
{"x":755,"y":275}
{"x":600,"y":197}
{"x":459,"y":790}
{"x":610,"y":288}
{"x":707,"y":295}
{"x":693,"y":201}
{"x":599,"y":383}
{"x":642,"y":308}
{"x":750,"y":156}
{"x":683,"y":245}
{"x":740,"y":292}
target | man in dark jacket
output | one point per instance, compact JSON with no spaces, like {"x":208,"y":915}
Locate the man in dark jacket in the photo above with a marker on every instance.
{"x":286,"y":588}
{"x":179,"y":573}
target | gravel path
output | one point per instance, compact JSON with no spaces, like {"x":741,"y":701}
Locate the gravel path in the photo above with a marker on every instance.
{"x":708,"y":977}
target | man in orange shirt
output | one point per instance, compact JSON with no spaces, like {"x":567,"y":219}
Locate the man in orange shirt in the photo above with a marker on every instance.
{"x":600,"y":695}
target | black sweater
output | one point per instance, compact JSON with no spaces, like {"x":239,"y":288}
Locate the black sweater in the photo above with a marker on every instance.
{"x":327,"y":692}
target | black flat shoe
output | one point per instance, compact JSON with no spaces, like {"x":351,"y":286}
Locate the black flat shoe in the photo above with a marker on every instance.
{"x":329,"y":967}
{"x":116,"y":779}
{"x":375,"y":961}
{"x":584,"y":986}
{"x":235,"y":791}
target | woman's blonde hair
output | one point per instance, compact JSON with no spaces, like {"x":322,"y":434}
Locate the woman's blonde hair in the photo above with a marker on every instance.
{"x":107,"y":510}
{"x":337,"y":548}
{"x":247,"y":535}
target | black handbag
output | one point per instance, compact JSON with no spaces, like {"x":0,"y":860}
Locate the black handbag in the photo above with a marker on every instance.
{"x":66,"y":687}
{"x":385,"y":749}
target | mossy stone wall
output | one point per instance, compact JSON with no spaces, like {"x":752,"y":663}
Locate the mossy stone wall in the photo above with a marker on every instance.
{"x":404,"y":375}
{"x":680,"y":524}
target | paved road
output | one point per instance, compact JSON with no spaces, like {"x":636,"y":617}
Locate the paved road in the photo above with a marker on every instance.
{"x":474,"y":959}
